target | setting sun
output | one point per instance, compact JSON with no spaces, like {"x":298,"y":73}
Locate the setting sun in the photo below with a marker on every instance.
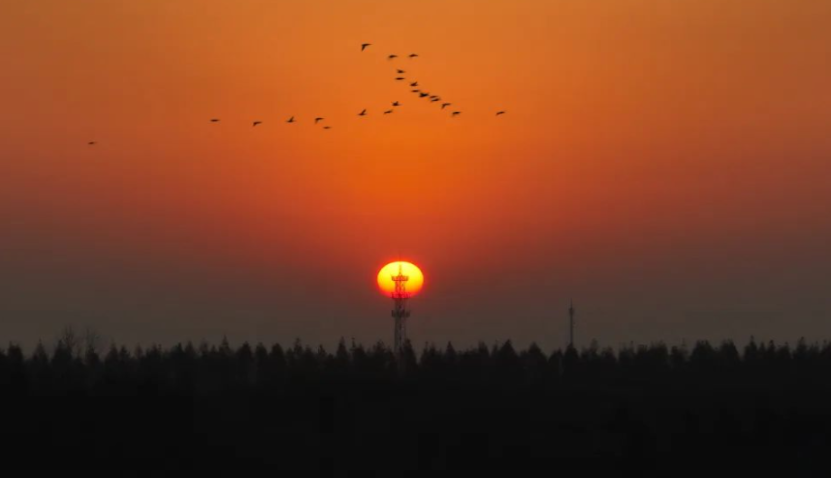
{"x":413,"y":284}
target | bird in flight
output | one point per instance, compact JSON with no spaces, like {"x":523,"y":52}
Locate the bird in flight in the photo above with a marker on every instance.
{"x":392,"y":57}
{"x":362,"y":113}
{"x":396,"y":103}
{"x":214,"y":120}
{"x":387,"y":112}
{"x":401,"y":72}
{"x":423,"y":95}
{"x":257,"y":122}
{"x":435,"y":99}
{"x":456,"y":113}
{"x":91,"y":143}
{"x":416,"y":91}
{"x":327,"y":127}
{"x":445,"y":105}
{"x":433,"y":96}
{"x":414,"y":84}
{"x":500,"y":113}
{"x":291,"y":120}
{"x":413,"y":55}
{"x":400,"y":78}
{"x":317,"y":120}
{"x":364,"y":45}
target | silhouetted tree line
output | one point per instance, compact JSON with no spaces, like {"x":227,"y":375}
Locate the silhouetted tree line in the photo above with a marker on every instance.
{"x":75,"y":364}
{"x":628,"y":411}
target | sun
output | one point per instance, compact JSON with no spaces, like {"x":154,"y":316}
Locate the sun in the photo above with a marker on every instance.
{"x":413,"y":284}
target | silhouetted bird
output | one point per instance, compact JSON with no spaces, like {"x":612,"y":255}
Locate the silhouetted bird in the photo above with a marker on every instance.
{"x":414,"y":84}
{"x":319,"y":119}
{"x":424,"y":95}
{"x":257,"y":122}
{"x":327,"y":127}
{"x":396,"y":103}
{"x":364,"y":45}
{"x":445,"y":105}
{"x":401,"y":72}
{"x":291,"y":120}
{"x":362,"y":113}
{"x":91,"y":143}
{"x":499,"y":113}
{"x":387,"y":112}
{"x":413,"y":55}
{"x":400,"y":78}
{"x":416,"y":91}
{"x":433,"y":96}
{"x":435,"y":100}
{"x":392,"y":57}
{"x":214,"y":120}
{"x":456,"y":113}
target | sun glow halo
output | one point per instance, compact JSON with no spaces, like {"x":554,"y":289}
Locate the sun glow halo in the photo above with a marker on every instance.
{"x":415,"y":278}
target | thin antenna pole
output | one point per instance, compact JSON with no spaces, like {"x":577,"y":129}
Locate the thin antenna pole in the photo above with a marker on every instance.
{"x":571,"y":324}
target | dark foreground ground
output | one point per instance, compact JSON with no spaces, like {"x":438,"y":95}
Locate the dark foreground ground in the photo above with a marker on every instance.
{"x":507,"y":412}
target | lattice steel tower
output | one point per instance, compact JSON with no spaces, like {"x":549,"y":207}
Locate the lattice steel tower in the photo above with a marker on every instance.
{"x":400,"y":312}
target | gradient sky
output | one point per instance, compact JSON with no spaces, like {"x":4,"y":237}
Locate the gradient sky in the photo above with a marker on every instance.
{"x":666,"y":163}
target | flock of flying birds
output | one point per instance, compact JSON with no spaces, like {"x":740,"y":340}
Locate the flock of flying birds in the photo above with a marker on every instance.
{"x":414,"y":88}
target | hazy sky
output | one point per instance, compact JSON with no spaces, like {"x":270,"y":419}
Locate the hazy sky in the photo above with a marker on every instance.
{"x":666,"y":163}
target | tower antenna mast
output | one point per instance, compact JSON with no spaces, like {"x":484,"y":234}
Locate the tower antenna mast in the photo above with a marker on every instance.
{"x":571,"y":324}
{"x":400,"y":312}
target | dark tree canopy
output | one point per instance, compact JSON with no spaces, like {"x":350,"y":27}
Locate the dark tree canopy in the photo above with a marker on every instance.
{"x":367,"y":408}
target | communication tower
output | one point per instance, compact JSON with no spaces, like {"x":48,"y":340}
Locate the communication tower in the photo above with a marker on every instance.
{"x":400,"y":312}
{"x":571,"y":324}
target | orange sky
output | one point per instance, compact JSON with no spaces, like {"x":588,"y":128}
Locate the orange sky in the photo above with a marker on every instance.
{"x":667,"y":163}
